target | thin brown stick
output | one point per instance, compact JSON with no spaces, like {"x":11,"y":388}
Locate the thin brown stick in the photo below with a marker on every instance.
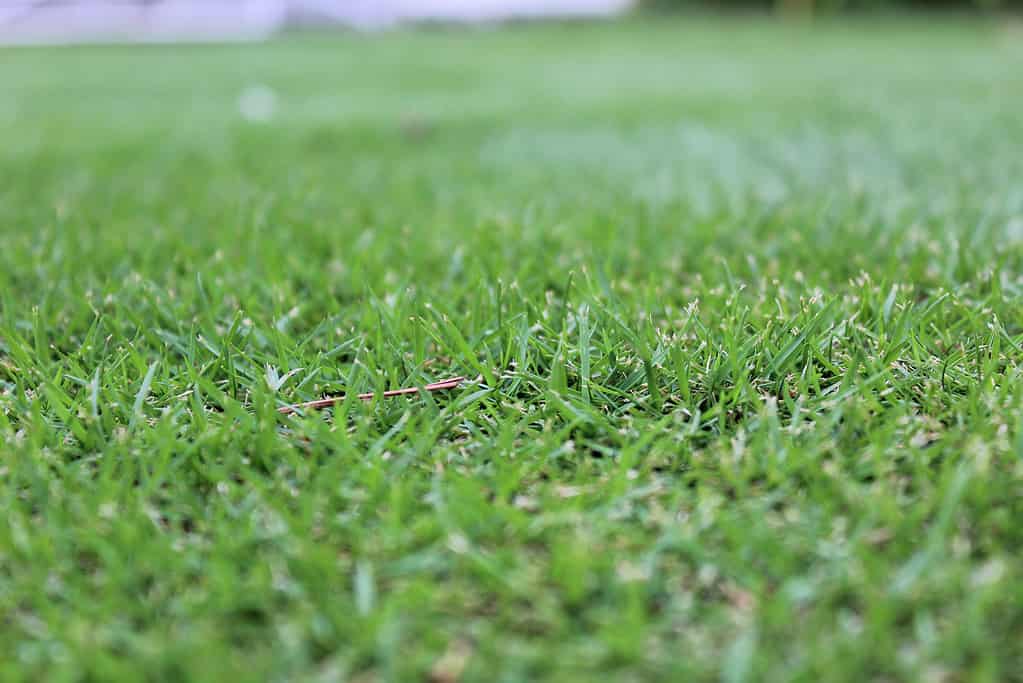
{"x":334,"y":400}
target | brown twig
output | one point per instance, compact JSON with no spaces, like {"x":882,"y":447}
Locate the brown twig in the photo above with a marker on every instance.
{"x":334,"y":400}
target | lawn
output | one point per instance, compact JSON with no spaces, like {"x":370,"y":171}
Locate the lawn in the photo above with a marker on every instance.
{"x":739,"y":305}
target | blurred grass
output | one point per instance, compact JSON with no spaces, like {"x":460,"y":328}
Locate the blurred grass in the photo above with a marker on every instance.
{"x":742,"y":300}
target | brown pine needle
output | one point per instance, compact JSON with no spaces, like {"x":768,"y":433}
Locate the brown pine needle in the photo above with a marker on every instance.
{"x":334,"y":400}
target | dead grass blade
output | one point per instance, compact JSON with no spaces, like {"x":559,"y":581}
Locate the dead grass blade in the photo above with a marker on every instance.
{"x":334,"y":400}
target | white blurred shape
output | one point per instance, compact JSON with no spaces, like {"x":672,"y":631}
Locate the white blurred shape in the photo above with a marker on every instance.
{"x":35,"y":21}
{"x":31,"y":21}
{"x":371,"y":13}
{"x":257,"y":103}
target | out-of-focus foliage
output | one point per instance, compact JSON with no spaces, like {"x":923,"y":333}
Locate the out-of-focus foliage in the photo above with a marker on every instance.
{"x":830,"y":6}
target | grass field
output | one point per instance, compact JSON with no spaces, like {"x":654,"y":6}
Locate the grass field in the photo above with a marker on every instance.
{"x":740,"y":304}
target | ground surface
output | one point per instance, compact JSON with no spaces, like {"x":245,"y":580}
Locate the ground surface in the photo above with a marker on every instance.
{"x":740,"y":303}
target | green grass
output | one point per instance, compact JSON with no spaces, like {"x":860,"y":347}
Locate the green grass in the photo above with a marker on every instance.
{"x":741,"y":303}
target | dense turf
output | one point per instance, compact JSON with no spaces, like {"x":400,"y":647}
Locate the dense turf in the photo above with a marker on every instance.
{"x":741,"y":305}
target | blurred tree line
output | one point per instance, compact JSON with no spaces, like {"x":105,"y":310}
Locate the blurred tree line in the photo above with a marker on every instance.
{"x":830,"y":6}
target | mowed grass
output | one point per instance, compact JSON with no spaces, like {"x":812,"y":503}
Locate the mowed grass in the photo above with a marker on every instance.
{"x":740,"y":304}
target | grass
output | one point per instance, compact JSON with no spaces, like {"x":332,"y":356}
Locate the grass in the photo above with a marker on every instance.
{"x":741,"y":304}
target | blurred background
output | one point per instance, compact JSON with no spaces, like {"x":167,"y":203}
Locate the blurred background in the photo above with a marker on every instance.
{"x":34,"y":21}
